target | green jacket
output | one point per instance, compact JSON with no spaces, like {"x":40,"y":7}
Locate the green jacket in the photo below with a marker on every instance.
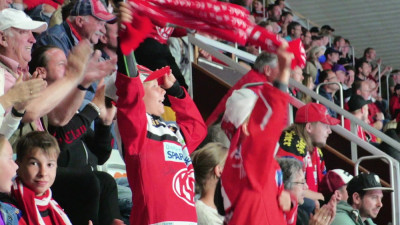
{"x":346,"y":215}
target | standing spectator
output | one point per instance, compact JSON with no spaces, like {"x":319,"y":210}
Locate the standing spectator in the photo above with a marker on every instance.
{"x":265,"y":70}
{"x":303,"y":140}
{"x":332,"y":57}
{"x":245,"y":190}
{"x":208,"y":163}
{"x":364,"y":202}
{"x":394,"y":104}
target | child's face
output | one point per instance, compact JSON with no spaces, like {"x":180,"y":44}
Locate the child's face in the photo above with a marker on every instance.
{"x":153,"y":98}
{"x":8,"y":167}
{"x":38,"y":171}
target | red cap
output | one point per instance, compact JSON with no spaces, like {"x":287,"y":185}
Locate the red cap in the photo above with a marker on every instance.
{"x":314,"y":112}
{"x":333,"y":180}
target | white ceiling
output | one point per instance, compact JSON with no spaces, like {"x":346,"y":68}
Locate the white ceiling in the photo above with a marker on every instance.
{"x":366,"y":23}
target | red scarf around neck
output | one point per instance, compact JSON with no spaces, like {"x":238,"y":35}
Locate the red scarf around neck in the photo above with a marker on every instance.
{"x":31,"y":205}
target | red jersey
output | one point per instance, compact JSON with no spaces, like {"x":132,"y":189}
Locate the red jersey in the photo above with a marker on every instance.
{"x":251,"y":77}
{"x":252,"y":179}
{"x":291,"y":145}
{"x":157,"y":157}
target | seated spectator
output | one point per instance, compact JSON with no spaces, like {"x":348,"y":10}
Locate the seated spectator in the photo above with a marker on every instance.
{"x":297,"y":75}
{"x":334,"y":184}
{"x":82,"y":149}
{"x":341,"y":75}
{"x":338,"y":43}
{"x":377,"y":107}
{"x":364,"y":202}
{"x":370,"y":57}
{"x":309,"y":83}
{"x":303,"y":140}
{"x":363,"y":70}
{"x":274,"y":12}
{"x":345,"y":58}
{"x":286,"y":19}
{"x":328,"y":90}
{"x":358,"y":106}
{"x":208,"y":163}
{"x":294,"y":182}
{"x":348,"y":83}
{"x":271,"y":26}
{"x":332,"y":57}
{"x":280,"y":3}
{"x":314,"y":31}
{"x":9,"y":213}
{"x":327,"y":29}
{"x":394,"y":79}
{"x":394,"y":104}
{"x":258,"y":10}
{"x":388,"y":149}
{"x":17,"y":97}
{"x":293,"y":31}
{"x":37,"y":154}
{"x":313,"y":66}
{"x":306,"y":38}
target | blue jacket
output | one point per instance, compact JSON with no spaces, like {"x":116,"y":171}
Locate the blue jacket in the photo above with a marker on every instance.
{"x":59,"y":35}
{"x":10,"y":214}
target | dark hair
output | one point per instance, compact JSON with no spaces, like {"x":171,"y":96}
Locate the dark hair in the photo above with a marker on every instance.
{"x":323,"y":75}
{"x":366,"y":51}
{"x":350,"y":199}
{"x":359,"y":64}
{"x":36,"y":140}
{"x":337,"y":39}
{"x":349,"y":68}
{"x":66,"y":10}
{"x":356,"y":86}
{"x":39,"y":57}
{"x":291,"y":26}
{"x":285,"y":13}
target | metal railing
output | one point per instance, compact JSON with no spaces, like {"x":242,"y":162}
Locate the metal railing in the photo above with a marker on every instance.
{"x":214,"y":47}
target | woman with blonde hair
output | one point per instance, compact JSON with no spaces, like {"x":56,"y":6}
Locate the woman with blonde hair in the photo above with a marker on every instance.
{"x":313,"y":65}
{"x":208,"y":163}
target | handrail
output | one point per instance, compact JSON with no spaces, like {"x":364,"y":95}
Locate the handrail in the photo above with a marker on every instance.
{"x":341,"y":95}
{"x":353,"y":138}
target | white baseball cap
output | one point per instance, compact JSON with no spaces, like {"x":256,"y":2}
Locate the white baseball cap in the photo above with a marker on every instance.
{"x":18,"y":19}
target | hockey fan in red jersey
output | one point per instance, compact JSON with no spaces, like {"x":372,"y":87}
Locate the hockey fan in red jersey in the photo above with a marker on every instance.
{"x":252,"y":180}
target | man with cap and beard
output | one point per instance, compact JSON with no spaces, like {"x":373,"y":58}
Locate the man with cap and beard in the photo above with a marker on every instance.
{"x":364,"y":202}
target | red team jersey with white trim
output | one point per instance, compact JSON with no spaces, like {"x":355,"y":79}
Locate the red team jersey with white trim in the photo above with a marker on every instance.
{"x":157,"y":157}
{"x":252,"y":179}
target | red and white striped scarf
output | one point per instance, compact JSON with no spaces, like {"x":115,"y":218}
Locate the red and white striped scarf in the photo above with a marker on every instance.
{"x":224,"y":20}
{"x":31,"y":205}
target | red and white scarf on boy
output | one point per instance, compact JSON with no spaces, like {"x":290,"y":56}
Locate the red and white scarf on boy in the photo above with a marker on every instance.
{"x":31,"y":205}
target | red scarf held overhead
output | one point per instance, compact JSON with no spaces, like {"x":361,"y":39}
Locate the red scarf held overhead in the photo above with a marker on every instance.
{"x":224,"y":20}
{"x":31,"y":204}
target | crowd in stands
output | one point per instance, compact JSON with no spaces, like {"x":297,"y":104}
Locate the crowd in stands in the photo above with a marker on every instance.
{"x":69,"y":96}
